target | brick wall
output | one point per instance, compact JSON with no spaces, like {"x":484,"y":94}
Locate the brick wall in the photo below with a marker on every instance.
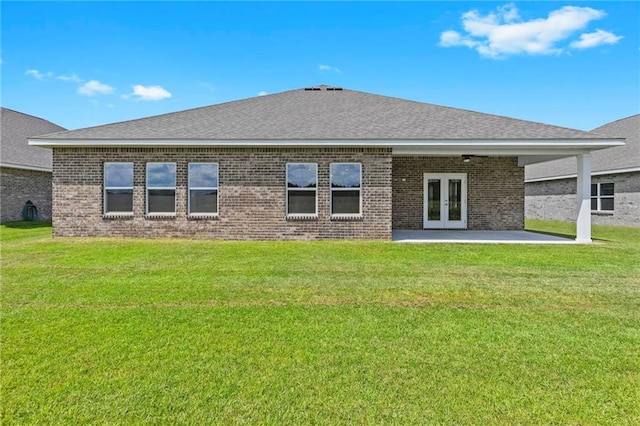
{"x":19,"y":186}
{"x":251,"y":194}
{"x":556,"y":200}
{"x":495,"y":191}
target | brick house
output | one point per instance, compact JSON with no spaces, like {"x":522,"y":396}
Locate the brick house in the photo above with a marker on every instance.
{"x":550,"y":187}
{"x":313,"y":163}
{"x":25,"y":171}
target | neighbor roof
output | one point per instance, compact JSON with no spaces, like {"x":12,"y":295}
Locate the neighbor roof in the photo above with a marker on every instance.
{"x":15,"y":128}
{"x":618,"y":158}
{"x":323,"y":113}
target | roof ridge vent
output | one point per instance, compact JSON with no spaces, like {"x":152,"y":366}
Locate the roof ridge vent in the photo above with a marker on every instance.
{"x":322,"y":87}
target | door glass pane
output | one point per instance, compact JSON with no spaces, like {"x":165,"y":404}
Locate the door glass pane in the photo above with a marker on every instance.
{"x":433,"y":199}
{"x":455,"y":199}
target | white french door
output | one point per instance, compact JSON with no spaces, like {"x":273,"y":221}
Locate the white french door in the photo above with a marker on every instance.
{"x":445,"y":200}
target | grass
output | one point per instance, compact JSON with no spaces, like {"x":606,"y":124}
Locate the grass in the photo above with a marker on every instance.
{"x":202,"y":332}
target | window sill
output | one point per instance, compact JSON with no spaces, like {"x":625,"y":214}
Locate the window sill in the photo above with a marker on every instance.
{"x":302,"y":217}
{"x":206,"y":216}
{"x":160,"y":216}
{"x":116,"y":216}
{"x":602,"y":212}
{"x":346,"y":217}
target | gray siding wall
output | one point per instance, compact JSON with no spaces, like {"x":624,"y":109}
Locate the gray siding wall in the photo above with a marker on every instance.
{"x":556,"y":200}
{"x":19,"y":186}
{"x":251,"y":194}
{"x":495,"y":191}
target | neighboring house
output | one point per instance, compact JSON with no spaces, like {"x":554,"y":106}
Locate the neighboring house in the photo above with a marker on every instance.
{"x":25,"y":171}
{"x":312,"y":163}
{"x":550,"y":187}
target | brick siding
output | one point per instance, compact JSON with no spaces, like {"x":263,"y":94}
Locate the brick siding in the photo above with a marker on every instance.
{"x":495,"y":191}
{"x":19,"y":186}
{"x":251,"y":194}
{"x":556,"y":200}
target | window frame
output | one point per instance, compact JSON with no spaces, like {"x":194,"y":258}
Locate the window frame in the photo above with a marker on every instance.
{"x":287,"y":189}
{"x":332,"y":189}
{"x":209,"y":188}
{"x":105,"y":188}
{"x":174,"y":188}
{"x":598,"y":197}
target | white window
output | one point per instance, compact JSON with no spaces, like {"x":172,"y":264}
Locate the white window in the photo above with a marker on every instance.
{"x":346,"y":189}
{"x":203,"y":189}
{"x":118,"y":188}
{"x":302,"y":189}
{"x":602,"y":197}
{"x":161,"y":188}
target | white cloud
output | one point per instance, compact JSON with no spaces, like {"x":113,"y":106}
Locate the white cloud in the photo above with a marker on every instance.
{"x":328,"y":68}
{"x":503,"y":32}
{"x":72,"y":77}
{"x":262,"y":93}
{"x":150,"y":93}
{"x":208,"y":86}
{"x":597,"y":38}
{"x":94,"y":87}
{"x":38,"y":75}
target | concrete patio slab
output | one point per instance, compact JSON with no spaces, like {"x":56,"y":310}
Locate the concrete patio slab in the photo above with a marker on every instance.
{"x":481,"y":237}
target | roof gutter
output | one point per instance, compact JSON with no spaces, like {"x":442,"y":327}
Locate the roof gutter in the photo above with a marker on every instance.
{"x":23,"y":167}
{"x":574,"y":175}
{"x":401,"y":145}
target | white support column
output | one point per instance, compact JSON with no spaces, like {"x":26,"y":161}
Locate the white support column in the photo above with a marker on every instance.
{"x":583,"y":217}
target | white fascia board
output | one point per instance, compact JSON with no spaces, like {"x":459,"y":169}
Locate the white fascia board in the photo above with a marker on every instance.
{"x":442,"y":146}
{"x":513,"y":151}
{"x":575,"y":175}
{"x":23,"y":167}
{"x":505,"y":147}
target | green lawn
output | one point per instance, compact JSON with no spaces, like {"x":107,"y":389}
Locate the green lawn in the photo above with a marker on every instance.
{"x":111,"y":331}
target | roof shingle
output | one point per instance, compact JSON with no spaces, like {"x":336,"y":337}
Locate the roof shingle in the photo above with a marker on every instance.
{"x":323,"y":115}
{"x":617,"y":158}
{"x":15,"y":128}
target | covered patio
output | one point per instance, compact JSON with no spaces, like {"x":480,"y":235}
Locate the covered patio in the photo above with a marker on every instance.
{"x":478,"y":237}
{"x":446,"y":196}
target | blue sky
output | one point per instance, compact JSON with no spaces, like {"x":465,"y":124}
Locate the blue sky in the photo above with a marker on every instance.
{"x":78,"y":64}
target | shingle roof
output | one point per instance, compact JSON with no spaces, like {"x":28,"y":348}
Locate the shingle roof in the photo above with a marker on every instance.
{"x":617,"y":158}
{"x":15,"y":128}
{"x":323,"y":114}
